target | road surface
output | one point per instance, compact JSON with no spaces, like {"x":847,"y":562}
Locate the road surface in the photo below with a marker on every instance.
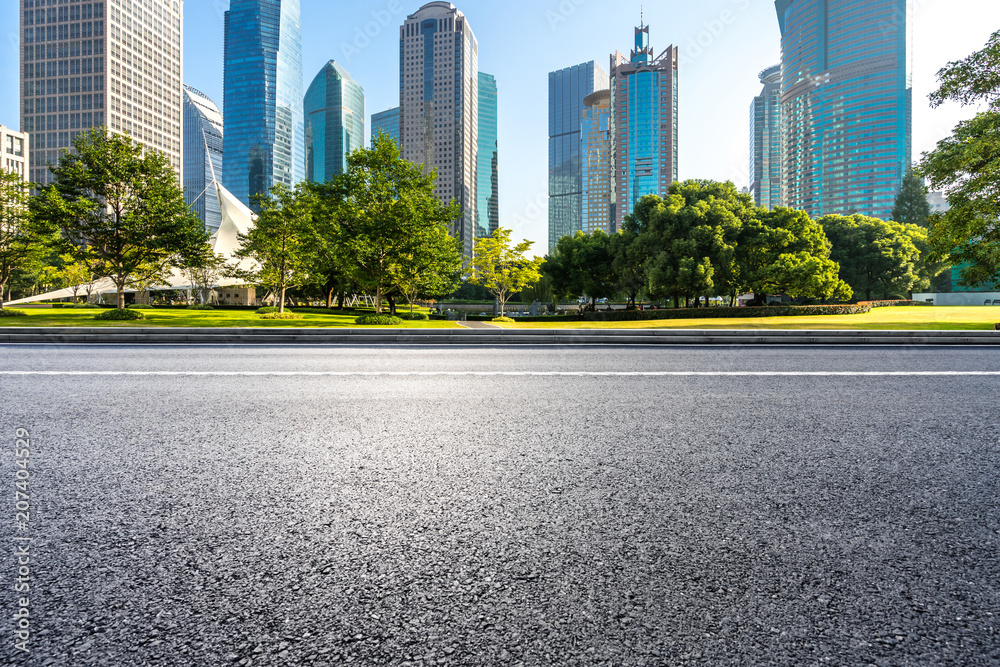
{"x":452,"y":506}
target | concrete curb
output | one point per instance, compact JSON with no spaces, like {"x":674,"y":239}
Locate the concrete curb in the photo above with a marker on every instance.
{"x":481,"y":337}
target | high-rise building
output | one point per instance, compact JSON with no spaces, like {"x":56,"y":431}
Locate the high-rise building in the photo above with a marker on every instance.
{"x":262,"y":105}
{"x":15,"y":152}
{"x":113,"y":63}
{"x":644,"y":123}
{"x":847,"y":102}
{"x":567,"y":90}
{"x":388,"y":122}
{"x":334,"y":122}
{"x":598,"y":211}
{"x":439,"y":105}
{"x":488,"y":185}
{"x":202,"y":156}
{"x":765,"y":140}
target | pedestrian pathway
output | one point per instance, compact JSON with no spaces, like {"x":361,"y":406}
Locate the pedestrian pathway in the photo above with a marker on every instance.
{"x":478,"y":325}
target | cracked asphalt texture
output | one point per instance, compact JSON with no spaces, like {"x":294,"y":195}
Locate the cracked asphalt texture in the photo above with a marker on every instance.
{"x":506,"y":520}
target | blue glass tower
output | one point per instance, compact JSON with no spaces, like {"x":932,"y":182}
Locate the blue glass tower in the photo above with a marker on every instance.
{"x":264,"y":134}
{"x":388,"y":122}
{"x":568,"y":88}
{"x":202,"y":156}
{"x":847,"y":103}
{"x":488,"y":208}
{"x":765,"y":140}
{"x":334,"y":122}
{"x":644,"y":123}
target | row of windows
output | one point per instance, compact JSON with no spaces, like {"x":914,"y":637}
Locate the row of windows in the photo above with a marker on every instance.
{"x":54,"y":68}
{"x":80,"y":12}
{"x":87,"y":47}
{"x":54,"y":33}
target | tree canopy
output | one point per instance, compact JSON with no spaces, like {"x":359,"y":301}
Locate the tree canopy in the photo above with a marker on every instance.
{"x":502,"y":268}
{"x":875,"y":256}
{"x":22,"y":243}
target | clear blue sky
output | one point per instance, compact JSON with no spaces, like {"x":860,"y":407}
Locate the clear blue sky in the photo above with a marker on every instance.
{"x":723,"y":43}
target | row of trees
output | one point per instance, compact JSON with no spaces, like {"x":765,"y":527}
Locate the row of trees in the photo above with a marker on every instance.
{"x":706,"y":239}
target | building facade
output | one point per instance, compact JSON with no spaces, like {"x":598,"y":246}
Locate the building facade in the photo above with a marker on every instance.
{"x":644,"y":123}
{"x":568,"y":88}
{"x":334,"y":122}
{"x":598,"y":208}
{"x":112,"y":63}
{"x":846,"y":104}
{"x":439,"y":106}
{"x":765,"y":141}
{"x":202,"y":156}
{"x":262,"y":106}
{"x":15,"y":152}
{"x":488,"y":179}
{"x":388,"y":122}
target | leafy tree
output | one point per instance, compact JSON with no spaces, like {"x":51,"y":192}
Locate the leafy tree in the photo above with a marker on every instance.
{"x":378,"y":213}
{"x":74,"y":274}
{"x":628,"y":259}
{"x":785,"y":252}
{"x":966,"y":166}
{"x":205,"y":271}
{"x":873,"y":254}
{"x":119,"y":207}
{"x":582,"y":264}
{"x":502,"y":268}
{"x":278,"y":242}
{"x":431,"y":267}
{"x":21,"y":242}
{"x":911,"y":202}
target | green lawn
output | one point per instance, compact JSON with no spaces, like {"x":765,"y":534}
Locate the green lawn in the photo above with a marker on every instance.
{"x":163,"y":317}
{"x":898,"y":318}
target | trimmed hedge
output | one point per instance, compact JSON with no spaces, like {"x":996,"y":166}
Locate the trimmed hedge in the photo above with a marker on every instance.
{"x":553,"y":318}
{"x":287,"y":315}
{"x":267,"y":310}
{"x":8,"y":312}
{"x":748,"y":311}
{"x":889,"y":304}
{"x":413,"y":317}
{"x":201,"y":307}
{"x":503,"y":320}
{"x":141,"y":307}
{"x":378,"y":321}
{"x":119,"y":315}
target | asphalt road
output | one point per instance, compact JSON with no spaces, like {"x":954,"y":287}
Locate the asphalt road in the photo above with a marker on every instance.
{"x":379,"y":515}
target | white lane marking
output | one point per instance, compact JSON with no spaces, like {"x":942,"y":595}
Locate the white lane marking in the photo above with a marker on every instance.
{"x":623,"y":374}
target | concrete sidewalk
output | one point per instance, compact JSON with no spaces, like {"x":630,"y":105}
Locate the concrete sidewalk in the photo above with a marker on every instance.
{"x":495,"y":337}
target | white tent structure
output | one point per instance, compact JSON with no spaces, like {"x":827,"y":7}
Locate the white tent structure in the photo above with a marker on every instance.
{"x":236,"y":219}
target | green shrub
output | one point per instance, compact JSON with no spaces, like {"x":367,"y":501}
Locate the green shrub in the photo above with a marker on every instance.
{"x":413,"y":317}
{"x":200,"y":307}
{"x":378,"y":321}
{"x":7,"y":312}
{"x":117,"y":314}
{"x":141,"y":307}
{"x":706,"y":313}
{"x":287,"y":315}
{"x":81,"y":305}
{"x":267,"y":310}
{"x":503,"y":320}
{"x":891,"y":303}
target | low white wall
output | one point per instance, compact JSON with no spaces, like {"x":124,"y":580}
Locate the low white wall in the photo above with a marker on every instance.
{"x":959,"y":298}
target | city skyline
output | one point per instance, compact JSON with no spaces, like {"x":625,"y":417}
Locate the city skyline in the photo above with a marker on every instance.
{"x":723,"y":45}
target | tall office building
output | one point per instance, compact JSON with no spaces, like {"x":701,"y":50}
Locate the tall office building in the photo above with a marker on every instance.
{"x":113,"y":63}
{"x":262,"y":105}
{"x":598,"y":209}
{"x":847,"y":102}
{"x":388,"y":122}
{"x":568,"y":88}
{"x":15,"y":153}
{"x":439,"y":105}
{"x":202,"y":156}
{"x":644,"y":123}
{"x":765,"y":140}
{"x":488,"y":179}
{"x":334,"y":122}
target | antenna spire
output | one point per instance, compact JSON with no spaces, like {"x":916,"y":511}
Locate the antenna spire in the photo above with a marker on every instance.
{"x":642,"y":16}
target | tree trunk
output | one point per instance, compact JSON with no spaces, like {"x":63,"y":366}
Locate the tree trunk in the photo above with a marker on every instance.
{"x":121,"y":297}
{"x":341,"y":300}
{"x":329,"y":299}
{"x":392,"y":305}
{"x":378,"y":299}
{"x":281,"y":303}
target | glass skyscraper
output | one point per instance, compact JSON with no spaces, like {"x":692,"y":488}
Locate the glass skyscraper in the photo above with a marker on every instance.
{"x":112,"y":63}
{"x":334,"y":122}
{"x":202,"y":156}
{"x":388,"y":122}
{"x":439,"y":106}
{"x":264,"y":135}
{"x":595,"y":135}
{"x":644,"y":123}
{"x":765,"y":140}
{"x":847,"y":102}
{"x":567,"y":90}
{"x":487,"y":187}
